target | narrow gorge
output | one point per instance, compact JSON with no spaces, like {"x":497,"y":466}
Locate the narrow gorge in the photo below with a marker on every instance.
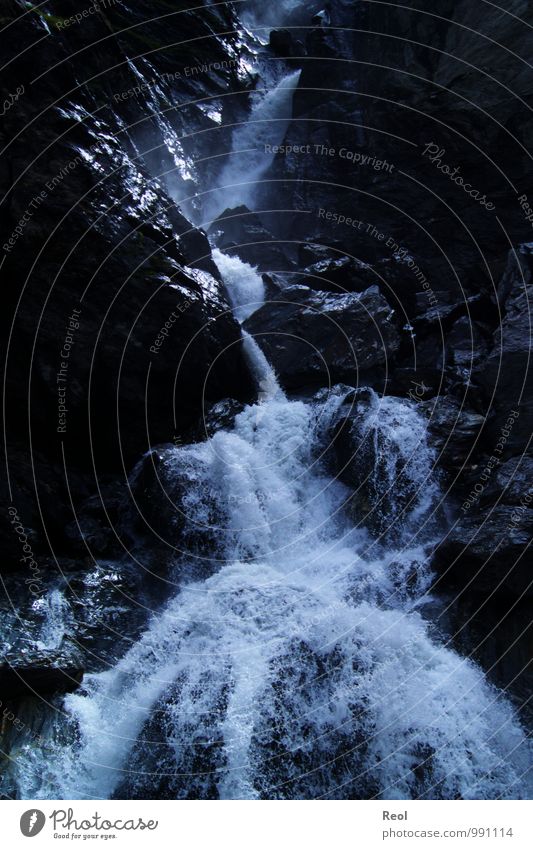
{"x":267,"y":401}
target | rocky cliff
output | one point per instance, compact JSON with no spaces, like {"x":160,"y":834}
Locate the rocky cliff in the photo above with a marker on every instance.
{"x":117,"y":324}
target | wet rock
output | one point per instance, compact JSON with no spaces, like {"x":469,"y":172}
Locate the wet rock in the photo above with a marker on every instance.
{"x":88,"y":535}
{"x":310,"y":253}
{"x":93,"y":533}
{"x":162,"y":770}
{"x":40,"y":674}
{"x":336,"y":757}
{"x":314,"y":337}
{"x":453,"y":430}
{"x":511,"y":483}
{"x":110,"y":603}
{"x":274,"y":284}
{"x":171,"y":507}
{"x":486,"y":551}
{"x":468,"y":345}
{"x":39,"y":501}
{"x":486,"y":547}
{"x":498,"y":637}
{"x":114,"y":262}
{"x":339,"y":274}
{"x":219,"y":416}
{"x":154,"y":493}
{"x":241,"y":232}
{"x":506,"y":371}
{"x":366,"y":453}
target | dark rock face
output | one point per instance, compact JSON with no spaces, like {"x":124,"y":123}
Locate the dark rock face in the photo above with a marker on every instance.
{"x":420,"y":79}
{"x":383,"y":136}
{"x":487,"y":551}
{"x":511,"y":482}
{"x":506,"y":372}
{"x":241,"y":232}
{"x":122,"y":332}
{"x":43,"y":676}
{"x":119,"y":329}
{"x":483,"y":439}
{"x":153,"y":478}
{"x":315,"y":337}
{"x":453,"y":429}
{"x":156,"y":518}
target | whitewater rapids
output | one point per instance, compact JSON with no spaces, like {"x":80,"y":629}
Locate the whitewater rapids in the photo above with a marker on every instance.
{"x":303,"y":666}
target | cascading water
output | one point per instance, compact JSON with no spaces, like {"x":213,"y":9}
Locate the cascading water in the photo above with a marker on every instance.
{"x":245,"y":286}
{"x":252,"y":145}
{"x":303,"y":666}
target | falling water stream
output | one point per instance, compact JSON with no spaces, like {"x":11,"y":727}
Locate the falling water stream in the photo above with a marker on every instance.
{"x":254,"y":146}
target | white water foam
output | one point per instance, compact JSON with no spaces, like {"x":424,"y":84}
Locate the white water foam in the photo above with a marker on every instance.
{"x":302,"y":667}
{"x":245,"y":286}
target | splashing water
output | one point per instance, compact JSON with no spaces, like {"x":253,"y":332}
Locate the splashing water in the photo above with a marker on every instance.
{"x":56,"y":620}
{"x":245,"y":286}
{"x":303,"y":667}
{"x":246,"y":291}
{"x":400,"y":483}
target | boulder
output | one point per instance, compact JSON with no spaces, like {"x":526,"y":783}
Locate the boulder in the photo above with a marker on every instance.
{"x":241,"y":232}
{"x":453,"y":430}
{"x":313,"y":337}
{"x":511,"y":482}
{"x":171,"y":509}
{"x":339,"y":274}
{"x":486,"y":551}
{"x":219,"y":416}
{"x":41,"y":673}
{"x":371,"y":453}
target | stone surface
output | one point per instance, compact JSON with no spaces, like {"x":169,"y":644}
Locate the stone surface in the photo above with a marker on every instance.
{"x":486,"y":552}
{"x":314,"y":337}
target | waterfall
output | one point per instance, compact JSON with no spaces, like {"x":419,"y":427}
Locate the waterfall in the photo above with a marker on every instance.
{"x":252,"y":145}
{"x":245,"y":286}
{"x":303,"y":667}
{"x":305,"y":664}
